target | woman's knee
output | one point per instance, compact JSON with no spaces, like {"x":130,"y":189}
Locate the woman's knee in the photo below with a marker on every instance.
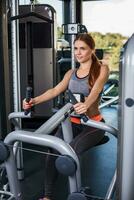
{"x":86,"y":141}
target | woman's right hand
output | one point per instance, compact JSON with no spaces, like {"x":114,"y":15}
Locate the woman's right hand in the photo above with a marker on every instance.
{"x":27,"y":105}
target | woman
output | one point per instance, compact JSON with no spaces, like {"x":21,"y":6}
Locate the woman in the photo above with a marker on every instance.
{"x":88,"y":79}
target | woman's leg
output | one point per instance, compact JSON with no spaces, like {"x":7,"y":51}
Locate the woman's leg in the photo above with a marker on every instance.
{"x":85,"y":137}
{"x":51,"y":172}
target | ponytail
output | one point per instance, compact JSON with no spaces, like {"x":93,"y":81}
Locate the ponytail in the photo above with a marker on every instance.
{"x":96,"y":64}
{"x":94,"y":70}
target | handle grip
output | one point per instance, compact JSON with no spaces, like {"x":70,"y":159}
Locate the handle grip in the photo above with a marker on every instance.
{"x":28,"y":98}
{"x":74,"y":101}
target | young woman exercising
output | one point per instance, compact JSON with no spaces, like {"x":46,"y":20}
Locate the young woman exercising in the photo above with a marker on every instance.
{"x":89,"y":80}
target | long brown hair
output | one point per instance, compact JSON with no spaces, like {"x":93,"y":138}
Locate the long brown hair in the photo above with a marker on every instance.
{"x":96,"y":65}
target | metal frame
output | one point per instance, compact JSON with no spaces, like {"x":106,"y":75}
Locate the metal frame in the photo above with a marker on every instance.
{"x":125,"y":171}
{"x":17,"y":88}
{"x":41,"y":137}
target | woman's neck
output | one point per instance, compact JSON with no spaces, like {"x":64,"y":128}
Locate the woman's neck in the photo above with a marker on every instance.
{"x":86,"y":65}
{"x":84,"y":69}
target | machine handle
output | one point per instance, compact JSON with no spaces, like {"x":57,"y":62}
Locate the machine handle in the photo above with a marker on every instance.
{"x":74,"y":101}
{"x":28,"y":98}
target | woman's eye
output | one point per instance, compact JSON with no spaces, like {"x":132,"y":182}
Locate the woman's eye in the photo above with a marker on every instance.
{"x":82,"y":48}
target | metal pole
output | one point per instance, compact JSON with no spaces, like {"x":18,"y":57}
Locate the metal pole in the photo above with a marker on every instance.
{"x":15,"y":56}
{"x":111,"y":188}
{"x":73,"y":20}
{"x":3,"y":51}
{"x":41,"y":140}
{"x":16,"y":77}
{"x":125,"y":170}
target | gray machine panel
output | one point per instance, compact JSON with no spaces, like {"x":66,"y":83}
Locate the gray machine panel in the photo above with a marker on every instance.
{"x":37,"y":53}
{"x":43,"y":77}
{"x":126,"y":124}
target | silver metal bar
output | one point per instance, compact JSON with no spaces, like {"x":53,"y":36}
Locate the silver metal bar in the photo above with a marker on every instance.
{"x":101,"y":126}
{"x":17,"y":148}
{"x":109,"y":102}
{"x":67,"y":130}
{"x":15,"y":56}
{"x":125,"y":159}
{"x":7,"y":194}
{"x":11,"y":170}
{"x":111,"y":188}
{"x":16,"y":73}
{"x":73,"y":20}
{"x":109,"y":89}
{"x":13,"y":117}
{"x":42,"y":140}
{"x":54,"y":121}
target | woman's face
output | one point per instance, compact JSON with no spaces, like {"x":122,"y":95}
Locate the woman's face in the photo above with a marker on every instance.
{"x":82,"y":51}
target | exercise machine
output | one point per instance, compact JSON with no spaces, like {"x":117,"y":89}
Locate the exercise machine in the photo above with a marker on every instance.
{"x":110,"y":93}
{"x":32,"y":43}
{"x":70,"y":163}
{"x":125,"y":172}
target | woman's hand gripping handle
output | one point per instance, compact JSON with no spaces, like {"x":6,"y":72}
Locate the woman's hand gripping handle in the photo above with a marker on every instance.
{"x":74,"y":101}
{"x":27,"y":102}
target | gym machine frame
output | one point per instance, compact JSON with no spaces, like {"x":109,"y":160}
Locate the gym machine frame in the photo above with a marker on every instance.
{"x":41,"y":137}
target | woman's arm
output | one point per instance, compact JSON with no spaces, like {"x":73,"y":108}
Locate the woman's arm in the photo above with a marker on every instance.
{"x":51,"y":93}
{"x":98,"y":86}
{"x":95,"y":92}
{"x":54,"y":92}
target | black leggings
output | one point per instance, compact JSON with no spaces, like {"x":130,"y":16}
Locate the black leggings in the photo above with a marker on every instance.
{"x":85,"y":137}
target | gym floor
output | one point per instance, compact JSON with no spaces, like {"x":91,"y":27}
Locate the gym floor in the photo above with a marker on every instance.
{"x":98,"y":165}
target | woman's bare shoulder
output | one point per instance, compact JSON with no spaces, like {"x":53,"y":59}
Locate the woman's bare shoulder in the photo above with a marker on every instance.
{"x":104,"y":65}
{"x":69,"y":73}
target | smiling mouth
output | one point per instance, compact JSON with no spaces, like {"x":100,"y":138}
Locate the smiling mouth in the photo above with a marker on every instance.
{"x":79,"y":57}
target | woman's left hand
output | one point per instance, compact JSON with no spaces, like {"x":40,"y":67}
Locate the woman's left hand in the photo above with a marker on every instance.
{"x":80,"y":108}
